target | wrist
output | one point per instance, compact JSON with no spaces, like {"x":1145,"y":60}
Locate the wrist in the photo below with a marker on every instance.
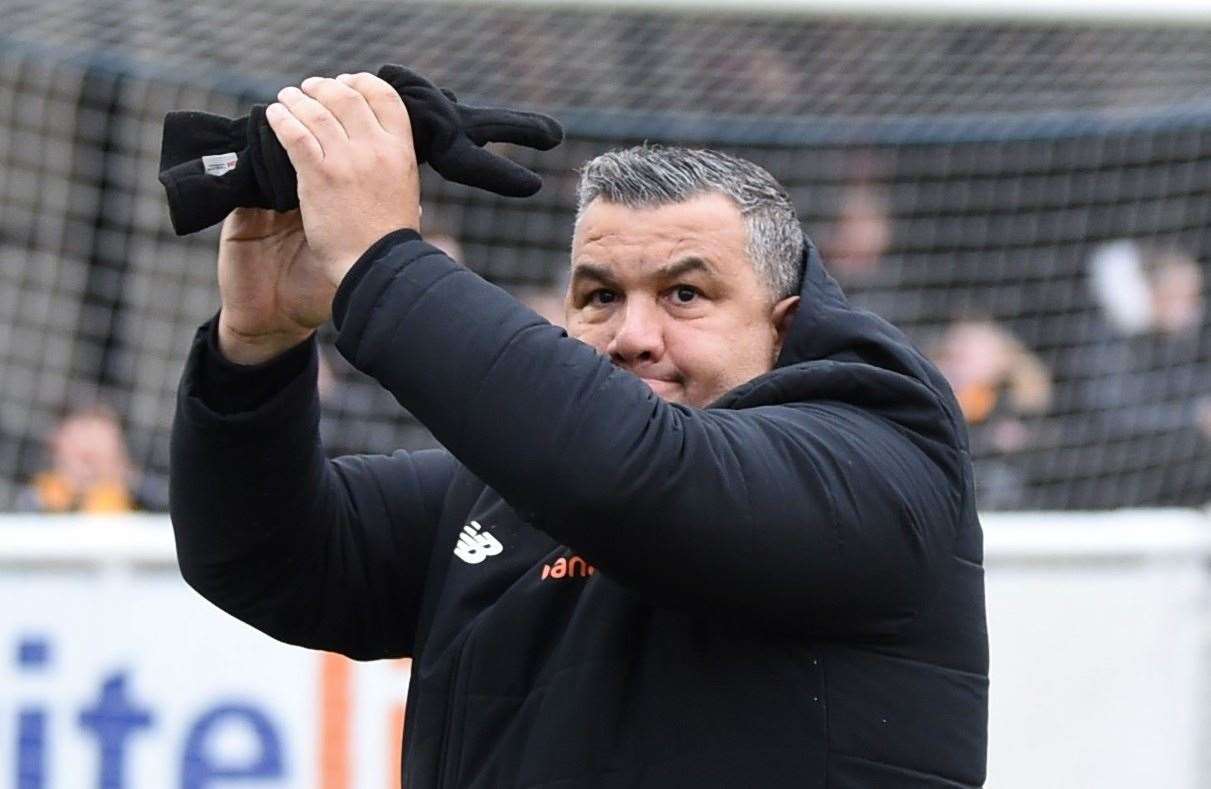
{"x":249,"y":349}
{"x":338,"y":268}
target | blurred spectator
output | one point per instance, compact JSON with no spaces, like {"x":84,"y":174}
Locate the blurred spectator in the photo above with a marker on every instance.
{"x":1176,"y":294}
{"x":446,"y":243}
{"x":89,"y":469}
{"x":861,"y":235}
{"x":1175,"y":408}
{"x":1143,"y":379}
{"x":357,"y":415}
{"x":757,"y":70}
{"x":547,"y":300}
{"x":440,"y":234}
{"x":1141,"y":291}
{"x":1151,"y":306}
{"x":1119,"y":286}
{"x":999,"y":385}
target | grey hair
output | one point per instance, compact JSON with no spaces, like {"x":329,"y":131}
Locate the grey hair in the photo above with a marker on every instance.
{"x":654,"y":175}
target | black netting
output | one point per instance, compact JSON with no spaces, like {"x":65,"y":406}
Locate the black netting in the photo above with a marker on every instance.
{"x":1029,"y":202}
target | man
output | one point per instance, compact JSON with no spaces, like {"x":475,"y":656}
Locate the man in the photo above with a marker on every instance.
{"x":89,"y":468}
{"x":724,"y":537}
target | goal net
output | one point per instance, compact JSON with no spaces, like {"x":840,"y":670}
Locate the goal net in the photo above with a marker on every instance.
{"x":1028,"y":199}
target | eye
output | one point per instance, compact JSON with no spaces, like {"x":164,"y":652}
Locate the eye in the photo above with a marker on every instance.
{"x":601,"y":296}
{"x":685,"y":294}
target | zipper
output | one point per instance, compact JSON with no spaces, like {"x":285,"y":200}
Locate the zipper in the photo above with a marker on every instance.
{"x":447,"y":765}
{"x":411,"y":707}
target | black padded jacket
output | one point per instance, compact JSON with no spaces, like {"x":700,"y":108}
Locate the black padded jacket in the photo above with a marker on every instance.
{"x":599,"y":588}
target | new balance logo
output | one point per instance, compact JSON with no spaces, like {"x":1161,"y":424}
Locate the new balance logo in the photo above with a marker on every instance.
{"x":474,"y":547}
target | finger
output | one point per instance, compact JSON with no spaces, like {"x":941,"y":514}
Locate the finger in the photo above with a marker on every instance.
{"x":315,"y":116}
{"x":530,"y":129}
{"x":301,"y":145}
{"x":347,"y":105}
{"x":466,"y":164}
{"x":384,"y":101}
{"x":254,"y":224}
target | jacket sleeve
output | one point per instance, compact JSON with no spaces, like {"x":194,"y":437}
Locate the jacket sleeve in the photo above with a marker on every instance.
{"x":327,"y":554}
{"x":816,"y":516}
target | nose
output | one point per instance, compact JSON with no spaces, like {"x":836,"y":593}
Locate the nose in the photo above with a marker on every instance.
{"x":640,"y":335}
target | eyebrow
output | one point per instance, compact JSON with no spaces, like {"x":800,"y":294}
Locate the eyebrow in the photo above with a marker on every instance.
{"x":592,"y":271}
{"x":671,"y":271}
{"x":684,"y":266}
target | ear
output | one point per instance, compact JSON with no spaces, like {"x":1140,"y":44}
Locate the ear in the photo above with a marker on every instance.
{"x":781,"y":317}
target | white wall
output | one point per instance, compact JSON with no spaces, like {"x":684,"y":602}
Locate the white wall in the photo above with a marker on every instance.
{"x":1098,"y":628}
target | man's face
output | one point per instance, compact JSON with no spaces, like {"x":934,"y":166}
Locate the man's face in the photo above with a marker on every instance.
{"x":669,"y":294}
{"x":88,"y":450}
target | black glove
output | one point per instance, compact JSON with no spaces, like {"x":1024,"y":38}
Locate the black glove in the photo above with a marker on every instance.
{"x":211,"y":165}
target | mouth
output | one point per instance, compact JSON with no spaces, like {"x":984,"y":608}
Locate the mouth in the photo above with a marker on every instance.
{"x":660,"y":386}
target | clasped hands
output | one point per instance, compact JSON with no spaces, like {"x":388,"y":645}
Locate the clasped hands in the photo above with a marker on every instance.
{"x":345,"y":153}
{"x":211,"y":165}
{"x":350,"y":142}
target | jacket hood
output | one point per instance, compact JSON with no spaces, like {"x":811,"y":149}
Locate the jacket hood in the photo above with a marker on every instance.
{"x":836,"y":352}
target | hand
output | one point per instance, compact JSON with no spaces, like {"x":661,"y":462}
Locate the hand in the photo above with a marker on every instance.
{"x":274,"y":290}
{"x":350,"y":140}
